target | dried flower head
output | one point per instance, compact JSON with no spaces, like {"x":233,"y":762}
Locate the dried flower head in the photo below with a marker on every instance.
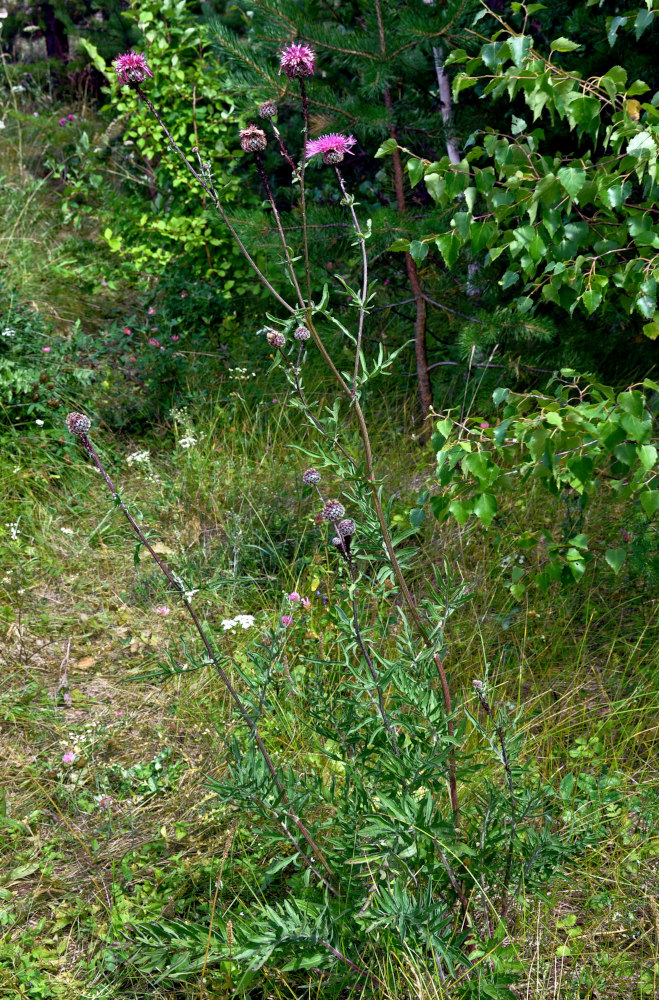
{"x":346,"y":528}
{"x":311,"y":477}
{"x":268,"y":110}
{"x":252,"y":139}
{"x":132,"y":68}
{"x":297,"y":59}
{"x":338,"y":542}
{"x":333,"y":511}
{"x":478,"y":685}
{"x":78,"y":424}
{"x":301,"y":334}
{"x":275,"y":338}
{"x":332,"y":146}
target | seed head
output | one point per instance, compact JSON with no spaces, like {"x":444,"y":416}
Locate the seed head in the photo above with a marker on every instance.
{"x":333,"y":511}
{"x":275,"y":338}
{"x":268,"y":110}
{"x":311,"y":477}
{"x":78,"y":424}
{"x":346,"y":528}
{"x":252,"y":139}
{"x":132,"y":68}
{"x":301,"y":334}
{"x":297,"y":59}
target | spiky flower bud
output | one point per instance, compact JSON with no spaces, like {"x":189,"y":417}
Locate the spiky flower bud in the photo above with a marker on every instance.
{"x":78,"y":424}
{"x":311,"y":477}
{"x":275,"y":338}
{"x":346,"y":528}
{"x":333,"y":511}
{"x":252,"y":139}
{"x":268,"y":110}
{"x":301,"y":334}
{"x":338,"y":542}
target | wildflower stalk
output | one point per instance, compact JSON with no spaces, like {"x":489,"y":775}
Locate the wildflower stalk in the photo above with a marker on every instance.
{"x":280,"y":228}
{"x":209,"y":188}
{"x":303,"y":201}
{"x":362,"y":305}
{"x":501,"y":735}
{"x":238,"y":702}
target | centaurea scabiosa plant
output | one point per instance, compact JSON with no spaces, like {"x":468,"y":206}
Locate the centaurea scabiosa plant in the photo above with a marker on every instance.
{"x":386,"y":844}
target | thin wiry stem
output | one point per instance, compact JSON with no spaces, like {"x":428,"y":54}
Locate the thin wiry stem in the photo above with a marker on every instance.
{"x":273,"y":204}
{"x":212,"y":193}
{"x":362,"y":304}
{"x":237,"y":700}
{"x":303,"y":196}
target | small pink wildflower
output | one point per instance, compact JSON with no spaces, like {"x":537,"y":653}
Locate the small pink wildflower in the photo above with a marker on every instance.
{"x":105,"y":802}
{"x":154,"y":342}
{"x":68,"y":757}
{"x":485,"y":424}
{"x":297,"y":59}
{"x":333,"y":147}
{"x":162,"y":610}
{"x":46,"y":350}
{"x":151,"y":311}
{"x":175,"y":337}
{"x":286,"y":620}
{"x":127,"y":331}
{"x":132,"y":68}
{"x":306,"y":603}
{"x":294,"y":596}
{"x":70,"y":117}
{"x":184,"y":295}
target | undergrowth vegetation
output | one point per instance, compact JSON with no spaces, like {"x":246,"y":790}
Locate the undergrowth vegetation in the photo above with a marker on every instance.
{"x":303,"y":695}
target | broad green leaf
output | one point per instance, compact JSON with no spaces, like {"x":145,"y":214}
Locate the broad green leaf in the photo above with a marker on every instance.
{"x":564,"y":45}
{"x":615,"y":559}
{"x":572,"y":179}
{"x":418,"y":251}
{"x":448,"y":245}
{"x":485,"y":508}
{"x":387,"y":147}
{"x":591,"y":300}
{"x":415,"y":169}
{"x":647,"y":454}
{"x":650,"y":502}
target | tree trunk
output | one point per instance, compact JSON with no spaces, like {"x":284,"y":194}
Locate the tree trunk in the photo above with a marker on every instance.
{"x":57,"y":40}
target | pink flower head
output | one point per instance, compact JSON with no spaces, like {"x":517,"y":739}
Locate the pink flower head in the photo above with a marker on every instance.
{"x":62,"y":121}
{"x":306,"y":603}
{"x":46,"y":350}
{"x":132,"y":68}
{"x":127,"y":331}
{"x":70,"y":117}
{"x":297,"y":59}
{"x":154,"y":342}
{"x":105,"y":802}
{"x":175,"y":337}
{"x":162,"y":610}
{"x":294,"y":596}
{"x":286,"y":620}
{"x":333,"y":147}
{"x":68,"y":757}
{"x":151,"y":311}
{"x":485,"y":424}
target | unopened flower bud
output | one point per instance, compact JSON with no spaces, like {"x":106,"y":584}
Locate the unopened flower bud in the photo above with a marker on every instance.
{"x":301,"y":334}
{"x":268,"y":110}
{"x":275,"y":338}
{"x":333,"y":511}
{"x":252,"y":139}
{"x":311,"y":477}
{"x":346,"y":528}
{"x":478,"y":685}
{"x":78,"y":424}
{"x":337,"y":541}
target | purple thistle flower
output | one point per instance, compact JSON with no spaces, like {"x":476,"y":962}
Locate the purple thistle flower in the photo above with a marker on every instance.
{"x":297,"y":59}
{"x":132,"y":68}
{"x":333,"y":147}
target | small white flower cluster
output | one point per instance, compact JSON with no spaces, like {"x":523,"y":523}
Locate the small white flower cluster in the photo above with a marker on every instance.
{"x":241,"y":373}
{"x":13,"y":530}
{"x":188,"y":441}
{"x":138,"y":457}
{"x":245,"y":621}
{"x":7,"y":332}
